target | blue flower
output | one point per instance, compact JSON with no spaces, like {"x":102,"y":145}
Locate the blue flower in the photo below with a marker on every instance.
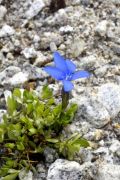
{"x":65,"y":71}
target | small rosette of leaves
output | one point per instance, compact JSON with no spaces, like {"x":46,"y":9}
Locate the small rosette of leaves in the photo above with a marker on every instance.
{"x":31,"y":124}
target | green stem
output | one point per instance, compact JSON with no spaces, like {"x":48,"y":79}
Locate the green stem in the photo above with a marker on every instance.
{"x":65,"y":99}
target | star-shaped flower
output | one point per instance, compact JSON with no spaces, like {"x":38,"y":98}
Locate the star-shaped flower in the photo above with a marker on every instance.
{"x":65,"y":71}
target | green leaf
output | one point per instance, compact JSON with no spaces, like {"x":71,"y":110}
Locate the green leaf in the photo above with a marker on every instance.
{"x":14,"y":131}
{"x":11,"y":105}
{"x":10,"y":145}
{"x":39,"y":109}
{"x":46,"y":93}
{"x":20,"y":146}
{"x":32,"y":144}
{"x":82,"y":142}
{"x":11,"y":171}
{"x":57,"y":110}
{"x":72,"y":109}
{"x":51,"y":101}
{"x":30,"y":108}
{"x":1,"y":135}
{"x":32,"y":131}
{"x":11,"y":176}
{"x":53,"y":140}
{"x":17,"y":93}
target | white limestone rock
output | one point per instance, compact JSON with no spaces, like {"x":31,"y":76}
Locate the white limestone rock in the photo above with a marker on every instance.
{"x":34,"y":9}
{"x":6,"y":31}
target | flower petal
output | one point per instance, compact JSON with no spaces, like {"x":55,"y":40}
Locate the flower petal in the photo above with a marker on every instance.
{"x":68,"y":86}
{"x":54,"y":72}
{"x":80,"y":74}
{"x":60,"y":62}
{"x":71,"y":66}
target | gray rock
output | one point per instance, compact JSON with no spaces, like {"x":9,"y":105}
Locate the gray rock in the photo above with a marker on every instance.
{"x":29,"y":53}
{"x":2,"y":111}
{"x":7,"y":94}
{"x":6,"y":31}
{"x":34,"y":9}
{"x":53,"y":46}
{"x":85,"y":2}
{"x":109,"y":96}
{"x":50,"y":155}
{"x":116,"y":2}
{"x":108,"y":172}
{"x":88,"y":62}
{"x":77,"y":47}
{"x":8,"y":73}
{"x":66,"y":29}
{"x":41,"y":172}
{"x":101,"y":28}
{"x":63,"y":170}
{"x":49,"y":37}
{"x":93,"y":112}
{"x":115,"y":146}
{"x":3,"y":12}
{"x":116,"y":49}
{"x":24,"y":175}
{"x":18,"y":79}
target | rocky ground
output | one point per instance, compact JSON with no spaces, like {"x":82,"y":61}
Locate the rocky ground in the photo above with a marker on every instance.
{"x":87,"y":31}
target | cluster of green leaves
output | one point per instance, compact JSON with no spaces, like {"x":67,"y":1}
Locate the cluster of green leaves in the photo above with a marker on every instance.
{"x":31,"y":124}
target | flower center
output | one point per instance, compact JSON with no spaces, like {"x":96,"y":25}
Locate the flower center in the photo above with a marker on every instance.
{"x":68,"y":76}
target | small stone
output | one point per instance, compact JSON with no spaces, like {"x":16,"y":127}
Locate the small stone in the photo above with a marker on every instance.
{"x":116,"y":2}
{"x":85,"y":2}
{"x":115,"y":146}
{"x":24,"y":175}
{"x":116,"y":49}
{"x":35,"y":8}
{"x":6,"y":31}
{"x":77,"y":47}
{"x":2,"y":111}
{"x":3,"y":12}
{"x":29,"y":53}
{"x":63,"y":170}
{"x":108,"y":171}
{"x":40,"y":58}
{"x":18,"y":79}
{"x":7,"y":94}
{"x":66,"y":29}
{"x":53,"y":47}
{"x":8,"y":73}
{"x":41,"y":172}
{"x":88,"y":62}
{"x":93,"y":112}
{"x":50,"y":155}
{"x":101,"y":28}
{"x":109,"y":97}
{"x":36,"y":39}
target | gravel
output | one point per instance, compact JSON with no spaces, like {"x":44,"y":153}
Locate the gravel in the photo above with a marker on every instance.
{"x":88,"y":32}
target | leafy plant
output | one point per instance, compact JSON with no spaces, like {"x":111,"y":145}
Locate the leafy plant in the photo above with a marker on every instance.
{"x":31,"y":124}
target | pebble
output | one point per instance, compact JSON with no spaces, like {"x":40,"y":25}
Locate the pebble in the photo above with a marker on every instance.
{"x":34,"y":9}
{"x":6,"y":31}
{"x":18,"y":79}
{"x":63,"y":169}
{"x":2,"y":111}
{"x":92,"y":111}
{"x":101,"y":28}
{"x":29,"y":52}
{"x":109,"y":96}
{"x":24,"y":175}
{"x":3,"y":12}
{"x":66,"y":29}
{"x":108,"y":171}
{"x":77,"y":47}
{"x":53,"y":46}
